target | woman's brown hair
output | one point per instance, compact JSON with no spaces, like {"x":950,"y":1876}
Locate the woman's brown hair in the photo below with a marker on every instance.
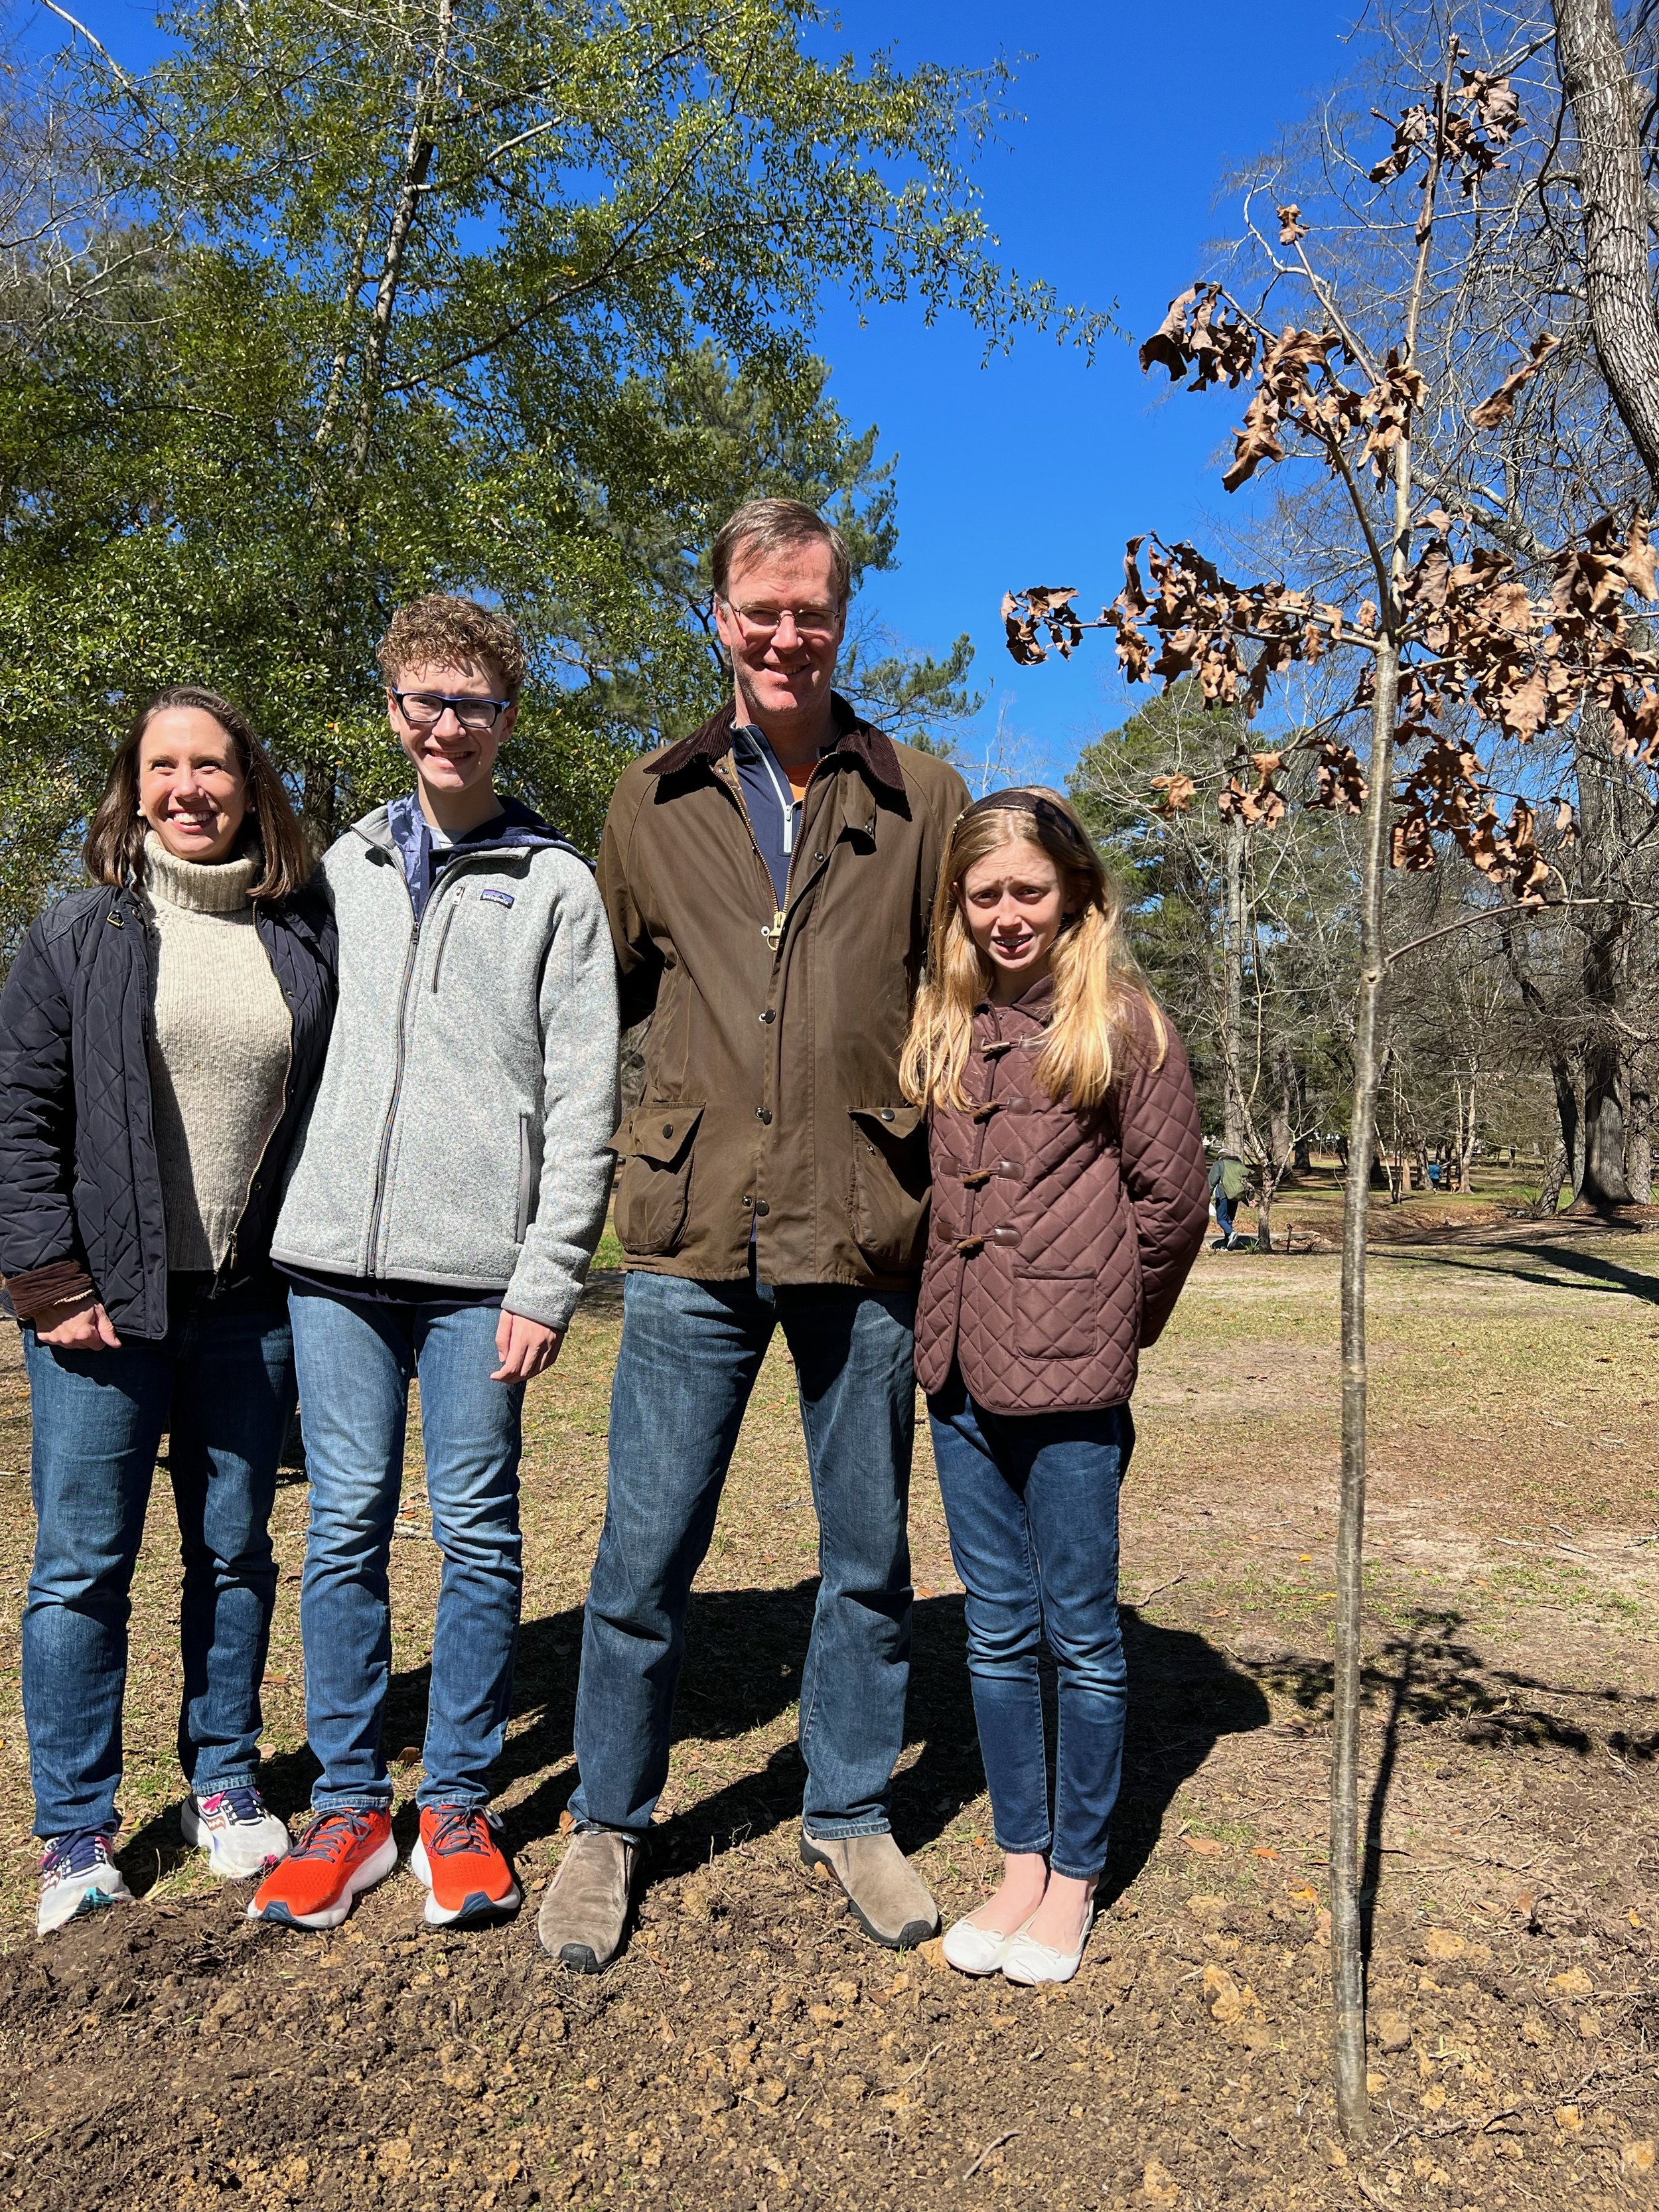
{"x":1101,"y":1006}
{"x":114,"y":850}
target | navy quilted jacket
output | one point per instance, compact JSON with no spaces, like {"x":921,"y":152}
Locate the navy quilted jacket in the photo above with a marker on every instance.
{"x":78,"y":1175}
{"x":1059,"y":1240}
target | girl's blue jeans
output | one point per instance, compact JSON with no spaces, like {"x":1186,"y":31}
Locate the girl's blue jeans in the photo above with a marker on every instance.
{"x":220,"y":1383}
{"x":1031,"y":1502}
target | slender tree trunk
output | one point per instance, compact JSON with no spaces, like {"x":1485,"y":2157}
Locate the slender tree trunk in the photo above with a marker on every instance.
{"x":1549,"y":1198}
{"x":1466,"y":1141}
{"x":1639,"y":1131}
{"x":1232,"y":980}
{"x":1612,"y":193}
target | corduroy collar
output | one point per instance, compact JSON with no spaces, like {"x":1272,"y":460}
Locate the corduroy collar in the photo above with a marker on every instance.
{"x":855,"y":738}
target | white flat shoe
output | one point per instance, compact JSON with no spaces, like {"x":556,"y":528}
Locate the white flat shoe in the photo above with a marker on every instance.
{"x":1028,"y":1963}
{"x":972,"y":1950}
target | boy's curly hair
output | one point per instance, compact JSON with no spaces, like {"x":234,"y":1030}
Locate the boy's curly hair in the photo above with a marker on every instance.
{"x":444,"y":629}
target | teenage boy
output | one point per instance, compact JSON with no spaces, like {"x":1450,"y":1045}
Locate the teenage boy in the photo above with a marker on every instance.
{"x":769,"y":881}
{"x":450,"y":1191}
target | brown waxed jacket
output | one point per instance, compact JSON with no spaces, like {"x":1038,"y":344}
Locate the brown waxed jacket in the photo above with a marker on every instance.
{"x":771,"y":1103}
{"x":1059,"y":1240}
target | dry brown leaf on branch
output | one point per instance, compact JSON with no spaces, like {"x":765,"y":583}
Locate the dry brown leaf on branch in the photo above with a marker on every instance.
{"x":1387,"y":407}
{"x":1341,"y":786}
{"x":1411,"y":846}
{"x":1199,"y":332}
{"x":1500,"y":405}
{"x":1291,"y":225}
{"x":1414,"y":134}
{"x":1493,"y":102}
{"x":1566,"y":826}
{"x":1041,"y":607}
{"x":1177,"y":794}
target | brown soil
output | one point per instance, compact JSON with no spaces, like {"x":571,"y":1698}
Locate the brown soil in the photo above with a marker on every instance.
{"x":752,"y":2050}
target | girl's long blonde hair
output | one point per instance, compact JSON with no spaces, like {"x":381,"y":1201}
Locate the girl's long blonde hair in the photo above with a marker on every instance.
{"x":1101,"y":999}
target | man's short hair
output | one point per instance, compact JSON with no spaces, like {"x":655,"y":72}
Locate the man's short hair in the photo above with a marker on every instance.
{"x":442,"y":629}
{"x":768,"y":525}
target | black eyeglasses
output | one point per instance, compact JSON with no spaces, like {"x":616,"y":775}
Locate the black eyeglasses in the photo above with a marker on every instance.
{"x":424,"y":710}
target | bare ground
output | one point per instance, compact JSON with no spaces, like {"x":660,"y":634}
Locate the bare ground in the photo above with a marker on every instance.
{"x":753,"y":2050}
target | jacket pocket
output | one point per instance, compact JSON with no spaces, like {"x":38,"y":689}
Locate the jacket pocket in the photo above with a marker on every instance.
{"x":529,"y":1181}
{"x":655,"y":1145}
{"x":1057,"y":1316}
{"x":888,"y":1202}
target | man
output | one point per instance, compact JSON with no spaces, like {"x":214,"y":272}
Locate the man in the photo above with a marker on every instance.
{"x":768,"y":882}
{"x":450,"y":1191}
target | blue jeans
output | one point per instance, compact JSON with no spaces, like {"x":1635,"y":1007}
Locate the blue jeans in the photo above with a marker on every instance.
{"x":220,"y":1383}
{"x":1032,"y":1507}
{"x":1225,"y":1209}
{"x":355,"y":1361}
{"x":690,"y":1352}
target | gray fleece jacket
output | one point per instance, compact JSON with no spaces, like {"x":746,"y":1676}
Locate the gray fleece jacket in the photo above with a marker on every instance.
{"x":459,"y":1133}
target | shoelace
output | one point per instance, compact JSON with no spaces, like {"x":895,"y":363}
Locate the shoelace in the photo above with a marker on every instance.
{"x":461,"y":1828}
{"x":330,"y":1836}
{"x":83,"y":1851}
{"x":243,"y":1804}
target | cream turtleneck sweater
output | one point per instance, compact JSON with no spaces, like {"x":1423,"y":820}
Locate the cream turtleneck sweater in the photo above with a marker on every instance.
{"x":219,"y":1046}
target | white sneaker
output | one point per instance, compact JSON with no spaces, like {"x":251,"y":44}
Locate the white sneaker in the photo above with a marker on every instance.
{"x":240,"y":1836}
{"x":972,"y":1950}
{"x":1028,"y":1963}
{"x":78,"y":1875}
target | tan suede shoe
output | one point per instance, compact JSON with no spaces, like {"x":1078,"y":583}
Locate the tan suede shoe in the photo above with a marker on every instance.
{"x":584,"y":1915}
{"x":885,"y":1893}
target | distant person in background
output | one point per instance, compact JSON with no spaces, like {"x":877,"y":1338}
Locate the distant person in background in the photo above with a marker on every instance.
{"x":160,"y":1036}
{"x":1068,"y":1206}
{"x":1230,"y":1181}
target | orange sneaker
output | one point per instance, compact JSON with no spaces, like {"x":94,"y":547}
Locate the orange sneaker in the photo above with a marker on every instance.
{"x":338,"y":1855}
{"x":463,"y":1868}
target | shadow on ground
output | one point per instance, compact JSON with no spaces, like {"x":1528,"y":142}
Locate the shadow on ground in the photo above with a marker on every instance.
{"x":743,"y":1673}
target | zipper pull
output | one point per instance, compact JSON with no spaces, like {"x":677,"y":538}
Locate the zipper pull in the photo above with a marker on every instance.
{"x":775,"y":932}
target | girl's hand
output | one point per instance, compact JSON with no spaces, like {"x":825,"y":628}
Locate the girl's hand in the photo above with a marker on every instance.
{"x":74,"y":1327}
{"x":525,"y":1348}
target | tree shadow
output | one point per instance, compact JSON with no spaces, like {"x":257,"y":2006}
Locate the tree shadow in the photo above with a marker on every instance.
{"x":1599,"y":1273}
{"x":745,"y":1652}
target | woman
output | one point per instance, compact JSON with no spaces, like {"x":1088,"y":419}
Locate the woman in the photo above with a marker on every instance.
{"x":160,"y":1036}
{"x":1069,"y":1203}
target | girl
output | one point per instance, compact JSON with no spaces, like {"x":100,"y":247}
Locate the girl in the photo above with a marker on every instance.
{"x":160,"y":1036}
{"x":1069,"y":1203}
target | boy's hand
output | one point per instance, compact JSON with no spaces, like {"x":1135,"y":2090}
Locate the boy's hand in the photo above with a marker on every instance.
{"x":525,"y":1348}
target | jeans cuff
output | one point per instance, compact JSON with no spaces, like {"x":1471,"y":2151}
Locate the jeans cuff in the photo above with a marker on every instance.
{"x":842,"y":1831}
{"x":354,"y":1802}
{"x":1038,"y":1849}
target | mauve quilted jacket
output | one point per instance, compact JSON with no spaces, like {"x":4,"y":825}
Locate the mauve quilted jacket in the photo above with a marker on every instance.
{"x":1059,"y":1240}
{"x":78,"y":1177}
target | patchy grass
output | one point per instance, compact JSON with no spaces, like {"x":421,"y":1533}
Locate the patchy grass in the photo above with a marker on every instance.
{"x":751,"y":2050}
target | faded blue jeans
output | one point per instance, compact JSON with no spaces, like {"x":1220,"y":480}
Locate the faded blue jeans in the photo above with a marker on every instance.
{"x":690,"y":1352}
{"x":220,"y":1383}
{"x":356,"y":1359}
{"x":1032,"y":1503}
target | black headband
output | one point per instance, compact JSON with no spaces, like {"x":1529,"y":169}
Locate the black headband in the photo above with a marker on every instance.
{"x":1021,"y":801}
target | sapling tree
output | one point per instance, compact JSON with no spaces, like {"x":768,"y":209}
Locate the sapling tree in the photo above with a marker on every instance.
{"x":1460,"y":640}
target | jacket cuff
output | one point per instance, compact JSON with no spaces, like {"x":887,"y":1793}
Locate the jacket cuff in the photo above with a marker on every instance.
{"x":60,"y":1283}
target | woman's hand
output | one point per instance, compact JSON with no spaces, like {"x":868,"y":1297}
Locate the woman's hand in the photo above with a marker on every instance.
{"x":525,"y":1348}
{"x":76,"y":1326}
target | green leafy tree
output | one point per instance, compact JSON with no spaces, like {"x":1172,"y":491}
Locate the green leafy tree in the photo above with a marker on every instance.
{"x":496,"y":295}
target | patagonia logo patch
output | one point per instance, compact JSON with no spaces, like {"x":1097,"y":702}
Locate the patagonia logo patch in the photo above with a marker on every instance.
{"x":501,"y":898}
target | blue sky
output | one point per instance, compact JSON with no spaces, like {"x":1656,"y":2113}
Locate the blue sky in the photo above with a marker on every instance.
{"x":1035,"y":466}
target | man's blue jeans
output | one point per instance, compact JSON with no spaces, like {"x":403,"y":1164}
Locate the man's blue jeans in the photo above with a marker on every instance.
{"x":355,"y":1361}
{"x":220,"y":1383}
{"x":690,"y":1352}
{"x":1032,"y":1503}
{"x":1226,"y":1208}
